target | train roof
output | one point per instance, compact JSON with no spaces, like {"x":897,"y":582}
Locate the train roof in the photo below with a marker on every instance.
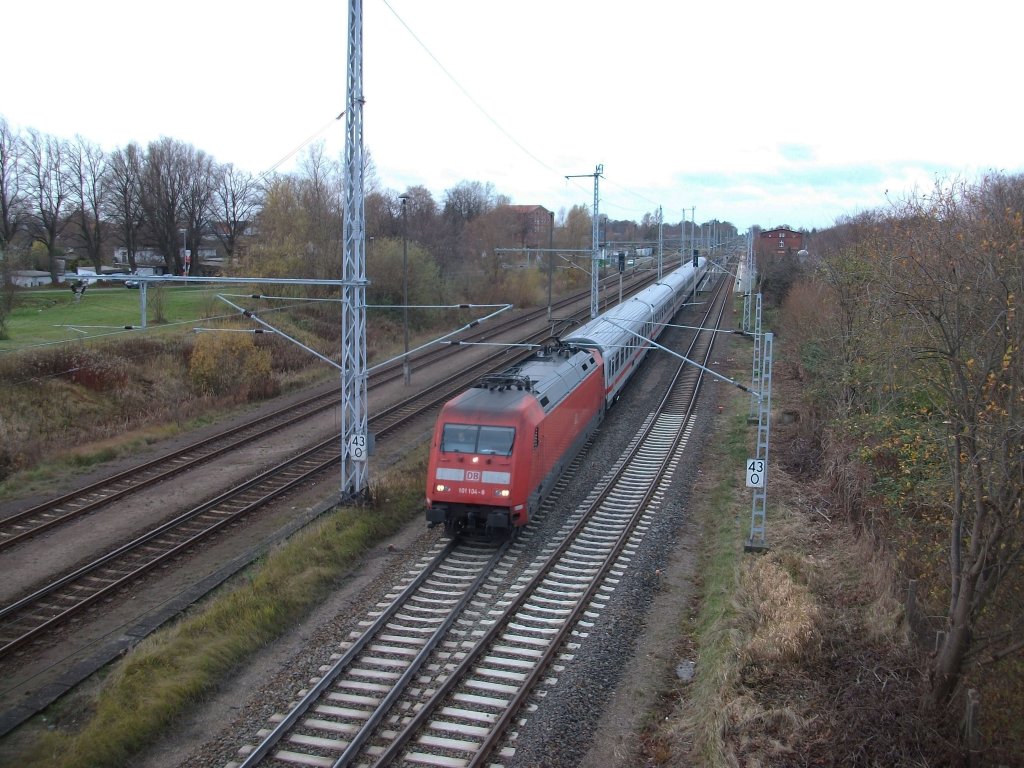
{"x":602,"y":332}
{"x":547,"y":376}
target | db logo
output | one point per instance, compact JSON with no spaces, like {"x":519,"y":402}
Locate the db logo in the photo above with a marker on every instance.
{"x":473,"y":476}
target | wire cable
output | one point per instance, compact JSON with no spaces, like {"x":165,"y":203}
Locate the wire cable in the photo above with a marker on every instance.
{"x":300,"y":147}
{"x":466,"y":93}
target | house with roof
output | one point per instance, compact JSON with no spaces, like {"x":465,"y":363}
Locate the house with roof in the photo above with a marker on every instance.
{"x":780,"y":241}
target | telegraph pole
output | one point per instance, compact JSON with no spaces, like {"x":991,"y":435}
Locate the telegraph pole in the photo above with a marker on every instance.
{"x":594,"y":276}
{"x":355,"y":442}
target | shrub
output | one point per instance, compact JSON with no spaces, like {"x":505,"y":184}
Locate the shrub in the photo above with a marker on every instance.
{"x":230,"y":364}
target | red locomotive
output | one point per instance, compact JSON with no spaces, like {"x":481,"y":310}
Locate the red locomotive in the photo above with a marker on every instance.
{"x":499,"y":448}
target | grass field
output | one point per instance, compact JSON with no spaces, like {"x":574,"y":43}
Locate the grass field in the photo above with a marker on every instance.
{"x":43,"y":316}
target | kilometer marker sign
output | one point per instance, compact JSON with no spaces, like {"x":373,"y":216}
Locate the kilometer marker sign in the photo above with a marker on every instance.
{"x":357,"y":447}
{"x":756,"y":469}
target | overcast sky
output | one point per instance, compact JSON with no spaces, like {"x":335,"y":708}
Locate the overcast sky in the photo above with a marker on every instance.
{"x":753,"y":112}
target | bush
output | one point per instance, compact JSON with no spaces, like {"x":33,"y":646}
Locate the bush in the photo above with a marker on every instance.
{"x":230,"y":364}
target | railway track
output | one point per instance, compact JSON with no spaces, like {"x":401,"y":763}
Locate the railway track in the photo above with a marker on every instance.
{"x":22,"y":525}
{"x":438,"y":674}
{"x":33,"y":616}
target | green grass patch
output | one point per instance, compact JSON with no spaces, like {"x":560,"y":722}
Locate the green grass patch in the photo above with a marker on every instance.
{"x":51,"y":315}
{"x":722,"y":551}
{"x":181,"y":665}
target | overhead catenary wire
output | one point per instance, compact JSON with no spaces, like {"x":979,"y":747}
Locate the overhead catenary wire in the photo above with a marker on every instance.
{"x":505,"y":132}
{"x":300,"y":147}
{"x":465,"y":92}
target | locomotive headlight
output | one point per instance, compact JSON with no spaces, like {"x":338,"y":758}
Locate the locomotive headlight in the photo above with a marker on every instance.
{"x":441,"y":488}
{"x":503,"y":492}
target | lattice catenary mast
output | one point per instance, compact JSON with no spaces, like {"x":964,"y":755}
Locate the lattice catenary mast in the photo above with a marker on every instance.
{"x":595,"y":284}
{"x":354,"y":438}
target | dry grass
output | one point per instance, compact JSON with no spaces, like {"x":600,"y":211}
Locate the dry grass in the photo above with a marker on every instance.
{"x":803,"y":652}
{"x":777,"y":616}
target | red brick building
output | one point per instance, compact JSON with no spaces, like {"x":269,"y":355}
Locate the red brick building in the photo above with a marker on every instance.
{"x":781,"y":241}
{"x":530,"y":225}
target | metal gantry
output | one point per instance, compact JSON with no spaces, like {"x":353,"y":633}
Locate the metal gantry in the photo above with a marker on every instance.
{"x":354,"y":438}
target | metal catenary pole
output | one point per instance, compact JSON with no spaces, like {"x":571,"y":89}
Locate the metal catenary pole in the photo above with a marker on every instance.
{"x":758,"y":539}
{"x":595,"y":284}
{"x":661,"y":241}
{"x":354,"y":438}
{"x":758,"y":365}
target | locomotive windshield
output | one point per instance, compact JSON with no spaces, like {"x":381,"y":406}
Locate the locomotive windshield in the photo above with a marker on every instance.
{"x":470,"y":438}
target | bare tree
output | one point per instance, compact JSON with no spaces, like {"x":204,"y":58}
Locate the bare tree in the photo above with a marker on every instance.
{"x":124,"y":201}
{"x":89,"y":168}
{"x":422,"y":215}
{"x":320,"y":196}
{"x":165,"y":183}
{"x":12,"y":192}
{"x":469,"y":199}
{"x":12,"y":214}
{"x":49,"y":187}
{"x":463,"y":203}
{"x":201,"y":180}
{"x":236,"y":200}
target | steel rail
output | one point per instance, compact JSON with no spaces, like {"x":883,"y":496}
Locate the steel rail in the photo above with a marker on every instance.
{"x":472,"y":657}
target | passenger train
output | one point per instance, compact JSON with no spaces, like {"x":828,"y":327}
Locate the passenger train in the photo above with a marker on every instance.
{"x":498,"y":448}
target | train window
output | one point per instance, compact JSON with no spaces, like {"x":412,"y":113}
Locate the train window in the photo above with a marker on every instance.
{"x":459,"y":438}
{"x":496,"y":440}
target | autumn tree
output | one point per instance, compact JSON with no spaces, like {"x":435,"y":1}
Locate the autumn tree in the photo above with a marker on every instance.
{"x":283,"y":226}
{"x":463,"y":204}
{"x":575,"y":234}
{"x":847,"y":351}
{"x":387,"y":278}
{"x":319,"y":186}
{"x":957,"y":272}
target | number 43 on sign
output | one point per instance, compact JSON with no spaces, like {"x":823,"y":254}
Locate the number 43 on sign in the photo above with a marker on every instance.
{"x":357,"y":447}
{"x":756,"y":469}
